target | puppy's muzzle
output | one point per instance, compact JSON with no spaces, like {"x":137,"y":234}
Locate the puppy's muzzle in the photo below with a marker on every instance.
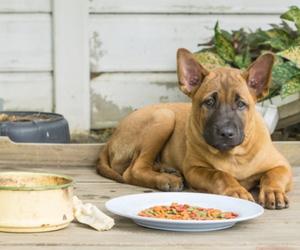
{"x":224,"y":136}
{"x":227,"y":136}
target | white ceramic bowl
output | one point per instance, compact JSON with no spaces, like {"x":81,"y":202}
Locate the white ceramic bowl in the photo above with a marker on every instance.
{"x":35,"y":202}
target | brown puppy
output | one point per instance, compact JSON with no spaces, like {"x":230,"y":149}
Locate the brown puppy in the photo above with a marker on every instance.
{"x":219,"y":143}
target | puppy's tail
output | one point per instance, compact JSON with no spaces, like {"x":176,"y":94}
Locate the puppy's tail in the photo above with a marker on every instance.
{"x":104,"y":169}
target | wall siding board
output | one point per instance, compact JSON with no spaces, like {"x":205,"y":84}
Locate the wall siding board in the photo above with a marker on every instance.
{"x":71,"y":61}
{"x":191,"y":6}
{"x":114,"y":95}
{"x":25,"y":42}
{"x":141,"y":43}
{"x":133,"y":44}
{"x":26,"y":91}
{"x":25,"y":6}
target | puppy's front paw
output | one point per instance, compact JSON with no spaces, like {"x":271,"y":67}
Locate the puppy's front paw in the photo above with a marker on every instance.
{"x":168,"y":182}
{"x":170,"y":170}
{"x":272,"y":198}
{"x":238,"y":192}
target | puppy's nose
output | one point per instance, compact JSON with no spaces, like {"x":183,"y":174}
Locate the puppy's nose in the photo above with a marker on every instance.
{"x":226,"y":132}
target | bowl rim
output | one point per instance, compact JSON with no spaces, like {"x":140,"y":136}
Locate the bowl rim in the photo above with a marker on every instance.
{"x":55,"y":117}
{"x":37,"y":188}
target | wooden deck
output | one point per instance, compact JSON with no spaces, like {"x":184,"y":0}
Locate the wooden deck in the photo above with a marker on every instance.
{"x":277,"y":230}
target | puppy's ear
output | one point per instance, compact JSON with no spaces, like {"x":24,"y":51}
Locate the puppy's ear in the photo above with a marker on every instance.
{"x":190,"y":73}
{"x":258,"y":75}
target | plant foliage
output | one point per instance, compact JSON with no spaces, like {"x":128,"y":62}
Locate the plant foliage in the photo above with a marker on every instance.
{"x":239,"y":48}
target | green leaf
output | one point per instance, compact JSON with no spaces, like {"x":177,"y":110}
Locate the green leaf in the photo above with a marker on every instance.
{"x":226,"y":34}
{"x":240,"y":47}
{"x":276,"y":43}
{"x":239,"y":61}
{"x":293,"y":14}
{"x":278,"y":39}
{"x":291,"y":86}
{"x":296,"y":42}
{"x":283,"y":71}
{"x":210,"y":59}
{"x":257,"y":37}
{"x":223,"y":45}
{"x":292,"y":54}
{"x":242,"y":61}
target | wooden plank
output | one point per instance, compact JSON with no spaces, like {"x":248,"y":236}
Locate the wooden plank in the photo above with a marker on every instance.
{"x":242,"y":236}
{"x":25,"y":6}
{"x":81,"y":174}
{"x":288,"y":121}
{"x":26,"y":91}
{"x":288,"y":109}
{"x":110,"y":102}
{"x":113,"y":247}
{"x":89,"y":191}
{"x":25,"y":42}
{"x":30,"y":154}
{"x":71,"y":61}
{"x":290,"y":150}
{"x":60,"y":155}
{"x":135,"y":43}
{"x":191,"y":6}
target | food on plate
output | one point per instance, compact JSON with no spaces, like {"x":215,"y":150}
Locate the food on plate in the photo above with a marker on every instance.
{"x":186,"y":212}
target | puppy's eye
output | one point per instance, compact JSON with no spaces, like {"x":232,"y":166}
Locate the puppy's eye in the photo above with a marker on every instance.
{"x":241,"y":105}
{"x":210,"y":102}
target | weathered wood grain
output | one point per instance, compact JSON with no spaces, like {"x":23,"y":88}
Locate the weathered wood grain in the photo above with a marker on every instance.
{"x":140,"y":42}
{"x":71,"y":62}
{"x":60,"y":155}
{"x":25,"y":6}
{"x":162,"y":247}
{"x":25,"y":42}
{"x":114,"y":95}
{"x":273,"y":230}
{"x":29,"y":154}
{"x":191,"y":6}
{"x":26,"y":91}
{"x":290,"y":150}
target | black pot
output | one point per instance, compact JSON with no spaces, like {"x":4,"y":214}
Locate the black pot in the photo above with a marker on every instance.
{"x":52,"y":130}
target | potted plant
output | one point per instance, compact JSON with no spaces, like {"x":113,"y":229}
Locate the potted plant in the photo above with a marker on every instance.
{"x":240,"y":47}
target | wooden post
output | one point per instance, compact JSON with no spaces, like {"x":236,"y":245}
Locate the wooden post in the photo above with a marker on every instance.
{"x":71,"y":62}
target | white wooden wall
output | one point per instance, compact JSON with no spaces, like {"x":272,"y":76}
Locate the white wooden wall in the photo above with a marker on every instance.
{"x":134,"y":43}
{"x":48,"y":48}
{"x":26,"y":80}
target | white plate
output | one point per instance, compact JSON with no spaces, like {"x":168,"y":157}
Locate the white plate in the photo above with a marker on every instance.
{"x":130,"y":205}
